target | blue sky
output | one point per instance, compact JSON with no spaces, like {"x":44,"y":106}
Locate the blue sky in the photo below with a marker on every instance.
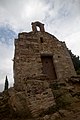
{"x":61,"y":18}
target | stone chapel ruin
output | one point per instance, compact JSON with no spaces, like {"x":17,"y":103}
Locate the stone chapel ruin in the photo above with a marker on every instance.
{"x":40,"y":60}
{"x":40,"y":54}
{"x":43,"y":83}
{"x":46,"y":86}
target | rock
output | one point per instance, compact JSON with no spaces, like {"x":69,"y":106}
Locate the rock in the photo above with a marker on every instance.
{"x":64,"y":100}
{"x":11,"y":91}
{"x":4,"y":107}
{"x":40,"y":97}
{"x":46,"y":117}
{"x":55,"y":116}
{"x":19,"y":105}
{"x":70,"y":87}
{"x":75,"y":79}
{"x":34,"y":101}
{"x":65,"y":113}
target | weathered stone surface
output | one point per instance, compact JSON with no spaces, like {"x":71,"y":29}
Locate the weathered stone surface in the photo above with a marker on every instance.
{"x":55,"y":116}
{"x":75,"y":79}
{"x":4,"y":106}
{"x":42,"y":90}
{"x":39,"y":52}
{"x":65,"y":113}
{"x":46,"y":117}
{"x":19,"y":104}
{"x":36,"y":99}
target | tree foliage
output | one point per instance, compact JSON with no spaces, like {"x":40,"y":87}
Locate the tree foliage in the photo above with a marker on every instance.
{"x":76,"y":62}
{"x":6,"y":84}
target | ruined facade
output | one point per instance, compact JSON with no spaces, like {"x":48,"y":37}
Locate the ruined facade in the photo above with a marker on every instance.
{"x":40,"y":55}
{"x":42,"y":66}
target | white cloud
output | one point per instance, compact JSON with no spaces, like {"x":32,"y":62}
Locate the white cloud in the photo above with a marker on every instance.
{"x":73,"y":42}
{"x":61,"y":18}
{"x":6,"y":64}
{"x":21,"y":13}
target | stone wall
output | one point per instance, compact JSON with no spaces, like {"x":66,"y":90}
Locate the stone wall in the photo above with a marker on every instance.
{"x":35,"y":94}
{"x":36,"y":99}
{"x":29,"y":47}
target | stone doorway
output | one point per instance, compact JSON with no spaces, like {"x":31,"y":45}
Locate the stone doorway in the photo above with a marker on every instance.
{"x":48,"y":67}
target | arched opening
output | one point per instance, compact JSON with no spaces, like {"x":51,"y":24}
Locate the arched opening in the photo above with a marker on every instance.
{"x":37,"y":26}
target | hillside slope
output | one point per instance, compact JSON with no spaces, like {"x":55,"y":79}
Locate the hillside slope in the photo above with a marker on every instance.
{"x":67,"y":99}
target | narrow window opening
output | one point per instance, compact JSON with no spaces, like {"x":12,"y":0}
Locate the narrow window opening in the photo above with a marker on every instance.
{"x":41,"y":39}
{"x":58,"y":56}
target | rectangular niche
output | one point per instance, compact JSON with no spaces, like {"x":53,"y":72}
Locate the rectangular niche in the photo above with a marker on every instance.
{"x":48,"y":66}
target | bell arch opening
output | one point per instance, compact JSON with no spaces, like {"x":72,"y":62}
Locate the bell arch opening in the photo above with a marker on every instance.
{"x":37,"y":26}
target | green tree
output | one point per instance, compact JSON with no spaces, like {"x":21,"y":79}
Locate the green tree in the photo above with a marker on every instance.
{"x":76,"y":62}
{"x":6,"y":84}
